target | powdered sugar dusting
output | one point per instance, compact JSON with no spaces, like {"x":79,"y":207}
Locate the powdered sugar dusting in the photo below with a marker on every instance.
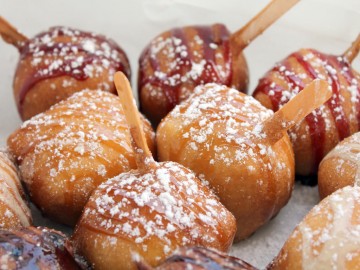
{"x":176,"y":61}
{"x":167,"y":202}
{"x":221,"y":138}
{"x":75,"y":146}
{"x":78,"y":54}
{"x":347,"y":150}
{"x":215,"y":106}
{"x":331,"y":246}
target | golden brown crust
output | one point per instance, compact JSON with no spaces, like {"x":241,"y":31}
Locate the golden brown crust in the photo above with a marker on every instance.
{"x":213,"y":133}
{"x":178,"y":60}
{"x":340,"y":167}
{"x":64,"y":153}
{"x":327,"y":238}
{"x":14,"y":212}
{"x":151,"y":214}
{"x":61,"y":61}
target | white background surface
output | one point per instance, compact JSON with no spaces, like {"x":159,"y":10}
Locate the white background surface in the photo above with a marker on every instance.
{"x":327,"y":25}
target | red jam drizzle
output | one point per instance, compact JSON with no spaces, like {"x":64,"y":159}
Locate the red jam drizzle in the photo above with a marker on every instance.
{"x":347,"y":73}
{"x":52,"y":49}
{"x":315,"y":120}
{"x":216,"y":34}
{"x":336,"y":108}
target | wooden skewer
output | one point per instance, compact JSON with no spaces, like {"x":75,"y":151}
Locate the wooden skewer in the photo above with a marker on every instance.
{"x":311,"y":97}
{"x":266,"y":17}
{"x":351,"y":53}
{"x":11,"y":35}
{"x":143,"y":155}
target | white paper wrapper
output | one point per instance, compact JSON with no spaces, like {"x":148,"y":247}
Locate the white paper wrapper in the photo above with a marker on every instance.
{"x":327,"y":25}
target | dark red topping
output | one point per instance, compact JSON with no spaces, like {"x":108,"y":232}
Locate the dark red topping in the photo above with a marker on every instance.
{"x":35,"y":248}
{"x":81,"y":57}
{"x":187,"y":66}
{"x":335,"y":67}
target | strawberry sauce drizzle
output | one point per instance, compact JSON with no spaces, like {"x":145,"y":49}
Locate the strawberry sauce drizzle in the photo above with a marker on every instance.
{"x":315,"y":120}
{"x":64,"y":68}
{"x":217,"y":34}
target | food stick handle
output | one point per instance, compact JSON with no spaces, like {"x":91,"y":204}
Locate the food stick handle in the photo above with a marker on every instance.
{"x":311,"y":97}
{"x":351,"y":53}
{"x":256,"y":26}
{"x":11,"y":35}
{"x":141,"y":149}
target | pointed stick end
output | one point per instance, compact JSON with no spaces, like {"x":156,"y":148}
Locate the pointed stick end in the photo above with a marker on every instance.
{"x":119,"y":80}
{"x":11,"y":35}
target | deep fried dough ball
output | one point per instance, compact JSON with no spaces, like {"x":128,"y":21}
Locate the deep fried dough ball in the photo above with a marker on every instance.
{"x":337,"y":119}
{"x":213,"y":133}
{"x":64,"y":153}
{"x":178,"y":60}
{"x":327,"y":238}
{"x":61,"y":61}
{"x":151,"y":214}
{"x":340,"y":167}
